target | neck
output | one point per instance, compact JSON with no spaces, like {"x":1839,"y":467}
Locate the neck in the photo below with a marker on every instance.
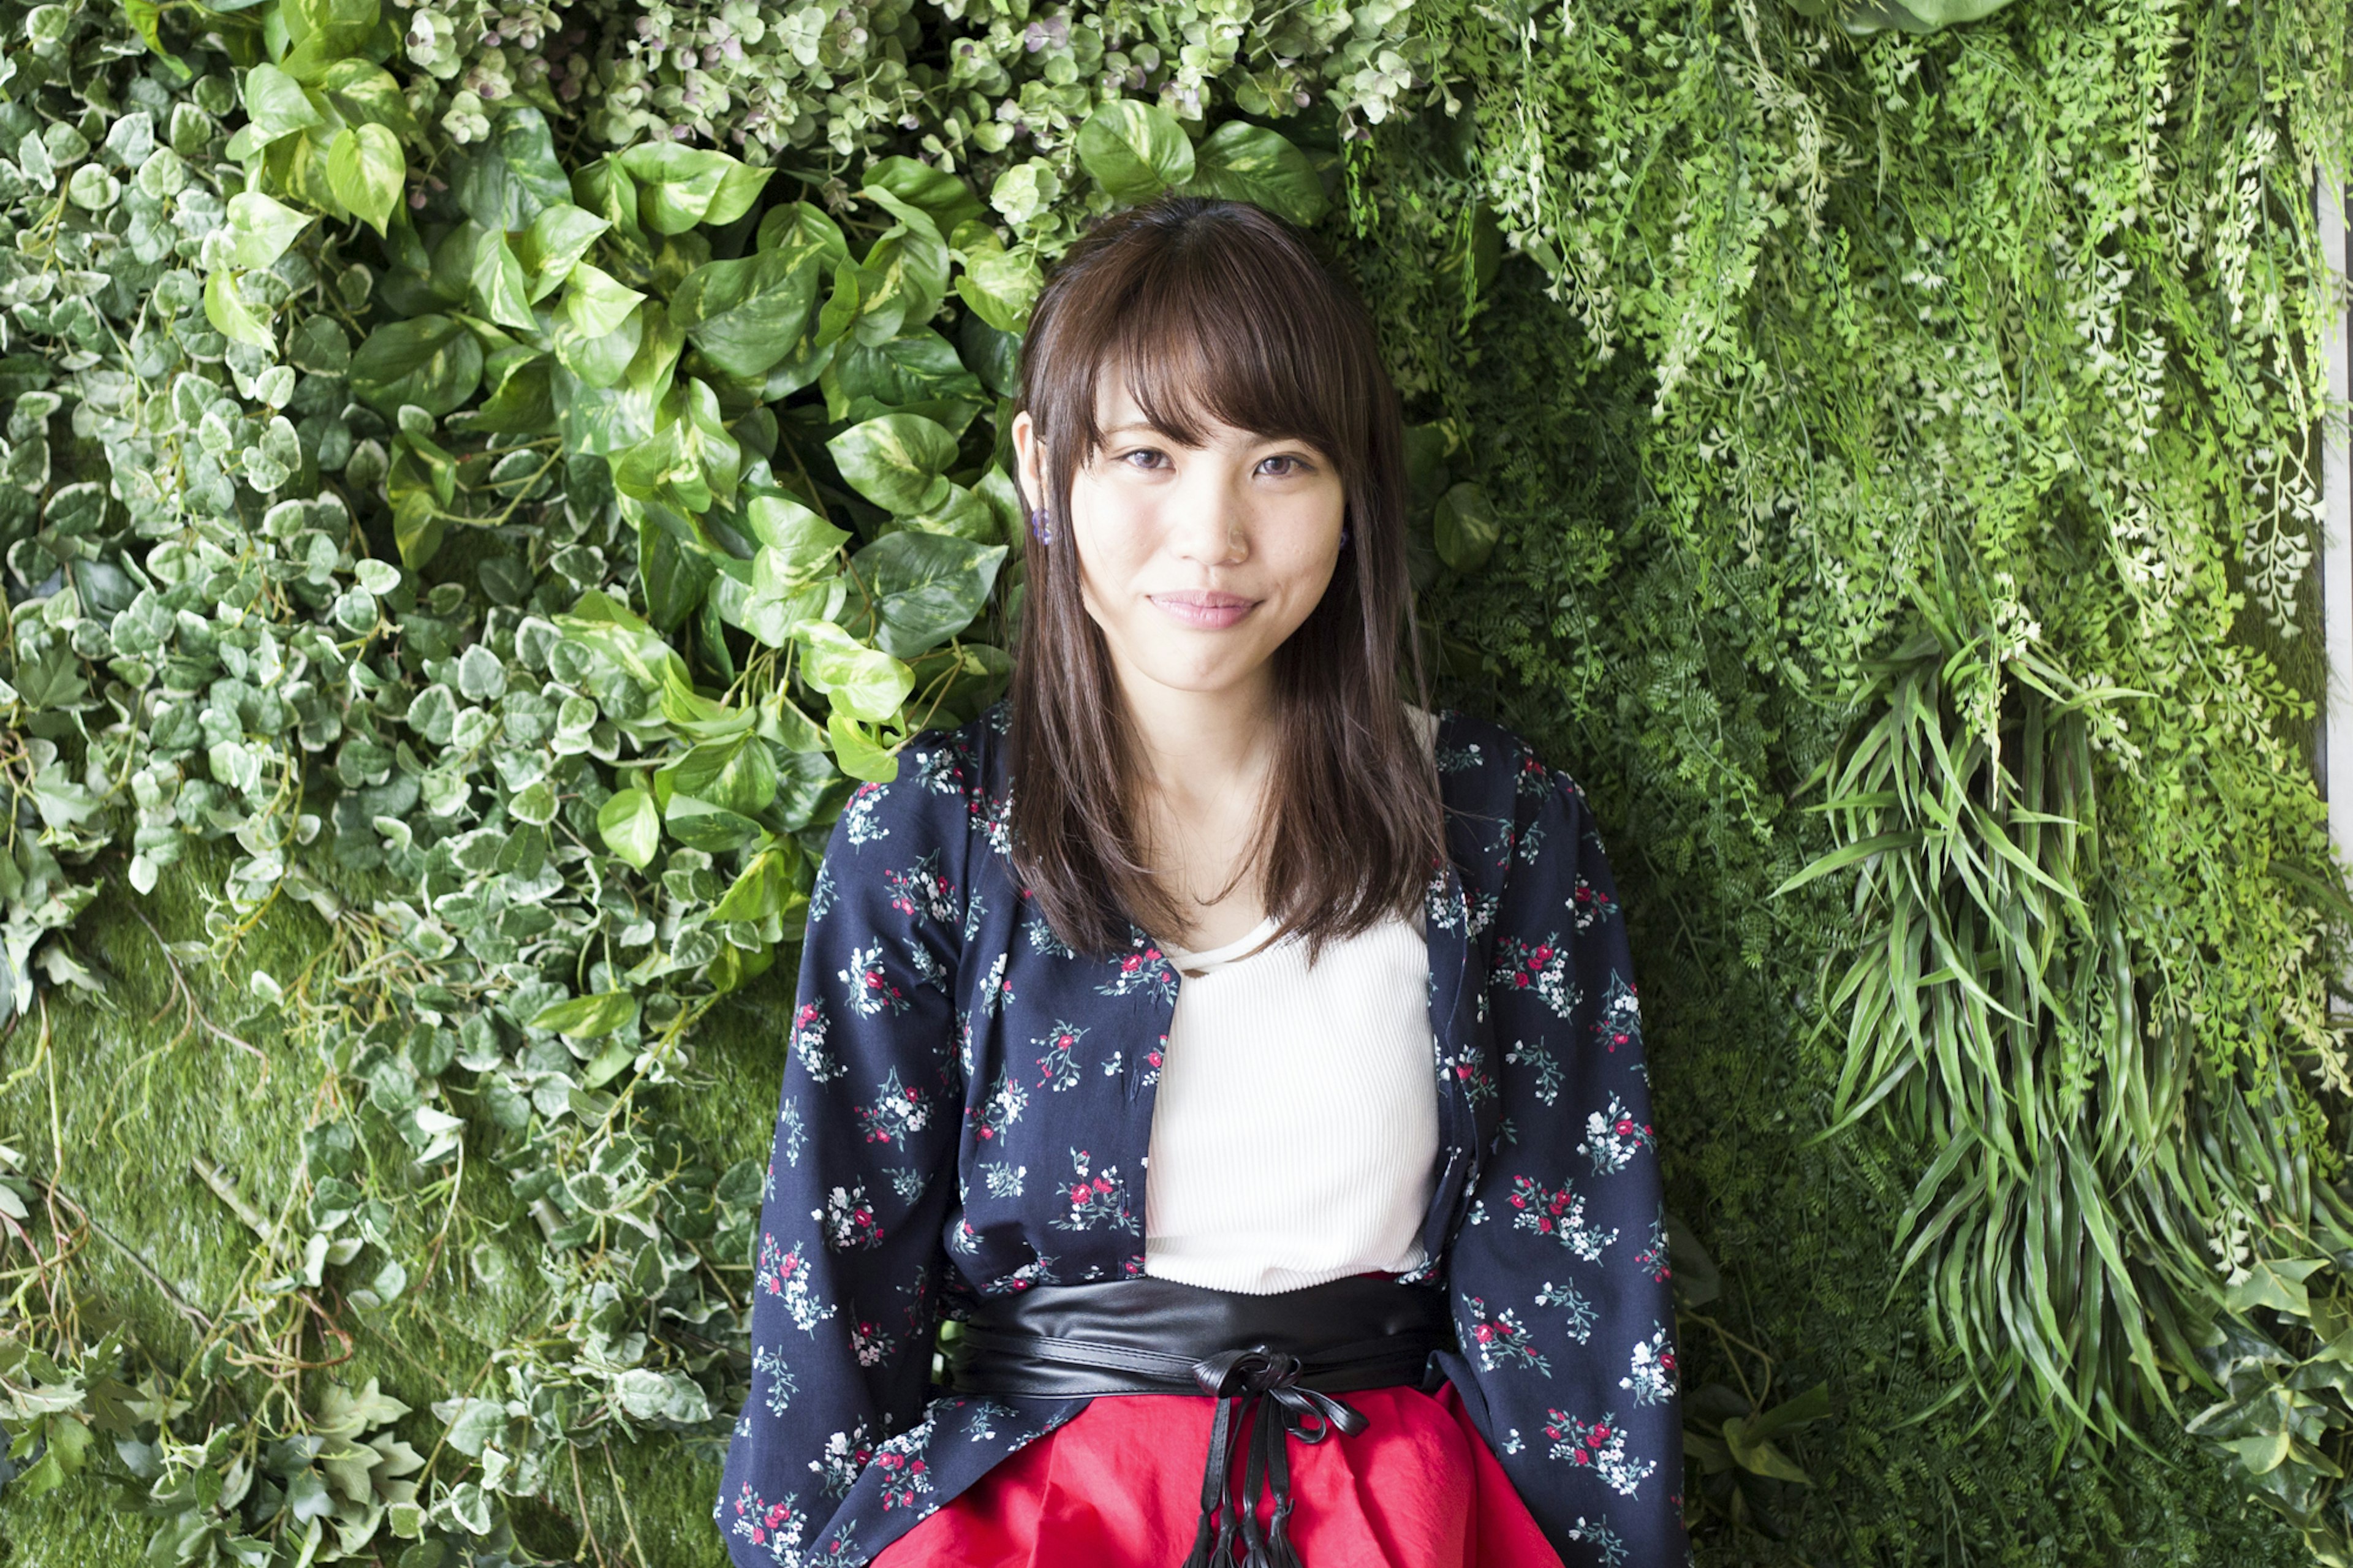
{"x":1199,"y":745}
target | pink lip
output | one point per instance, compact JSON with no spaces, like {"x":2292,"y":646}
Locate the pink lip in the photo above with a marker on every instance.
{"x":1208,"y":611}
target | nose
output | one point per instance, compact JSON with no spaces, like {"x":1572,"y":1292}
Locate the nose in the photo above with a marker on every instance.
{"x":1207,"y":521}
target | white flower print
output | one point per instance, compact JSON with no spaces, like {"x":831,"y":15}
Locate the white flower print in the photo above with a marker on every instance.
{"x":1443,"y":905}
{"x":1006,"y":1102}
{"x":940,"y":770}
{"x":922,"y":891}
{"x":1581,"y":1311}
{"x":1599,"y":1447}
{"x":845,"y":1454}
{"x":1541,"y":1064}
{"x":1057,"y":1069}
{"x":1043,"y":940}
{"x":1651,"y":1377}
{"x":994,"y":814}
{"x":1427,"y":1268}
{"x":871,"y":989}
{"x":1503,"y":1342}
{"x":994,"y":991}
{"x":1142,"y":968}
{"x":963,"y":1238}
{"x":786,"y":1275}
{"x":1501,"y":855}
{"x":1539,"y":966}
{"x":807,"y":1044}
{"x":1612,"y":1137}
{"x":1468,"y":1068}
{"x":1004,"y":1181}
{"x":1455,"y":759}
{"x":1559,"y":1214}
{"x":821,"y":892}
{"x":870,"y":1343}
{"x":858,"y":814}
{"x":773,"y":1527}
{"x":906,"y":1183}
{"x":928,"y":969}
{"x":1039,"y":1270}
{"x":897,"y":1111}
{"x":985,"y":1413}
{"x":1531,"y":777}
{"x":1590,"y":905}
{"x":974,"y":907}
{"x":1620,"y":1020}
{"x":1531,"y":841}
{"x":849,"y":1220}
{"x":902,"y":1463}
{"x":1596,"y":1533}
{"x":1097,"y":1200}
{"x":1653,"y":1259}
{"x":768,"y":1362}
{"x":791,"y":1136}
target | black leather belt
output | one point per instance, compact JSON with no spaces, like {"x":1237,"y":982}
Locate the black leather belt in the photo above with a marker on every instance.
{"x":1293,"y":1349}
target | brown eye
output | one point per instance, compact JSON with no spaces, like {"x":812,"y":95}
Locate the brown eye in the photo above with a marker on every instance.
{"x":1299,"y":465}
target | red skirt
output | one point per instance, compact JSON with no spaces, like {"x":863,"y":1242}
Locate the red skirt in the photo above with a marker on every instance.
{"x":1120,"y":1487}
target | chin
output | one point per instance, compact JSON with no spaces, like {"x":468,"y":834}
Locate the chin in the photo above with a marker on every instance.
{"x":1183,"y":675}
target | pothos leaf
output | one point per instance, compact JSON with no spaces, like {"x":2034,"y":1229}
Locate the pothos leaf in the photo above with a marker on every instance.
{"x":1135,"y":150}
{"x":585,"y":1017}
{"x":364,"y":169}
{"x":630,"y":826}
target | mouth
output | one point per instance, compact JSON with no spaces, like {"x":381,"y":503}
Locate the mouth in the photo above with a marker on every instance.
{"x":1198,"y":608}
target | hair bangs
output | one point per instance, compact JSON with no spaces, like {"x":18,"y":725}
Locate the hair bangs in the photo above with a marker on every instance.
{"x":1199,"y":345}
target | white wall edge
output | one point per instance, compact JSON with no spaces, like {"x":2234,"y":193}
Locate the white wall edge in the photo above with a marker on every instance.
{"x":2337,"y":549}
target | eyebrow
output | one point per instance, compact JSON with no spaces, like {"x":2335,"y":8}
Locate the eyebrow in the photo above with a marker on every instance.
{"x":1150,"y":428}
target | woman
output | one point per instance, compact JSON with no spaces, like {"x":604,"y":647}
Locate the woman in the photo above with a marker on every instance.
{"x":1345,"y":979}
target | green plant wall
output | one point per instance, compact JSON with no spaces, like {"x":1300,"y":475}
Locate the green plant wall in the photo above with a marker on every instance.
{"x":483,"y":483}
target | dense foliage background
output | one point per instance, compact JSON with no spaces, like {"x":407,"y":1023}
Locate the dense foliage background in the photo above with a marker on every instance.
{"x":482,"y":481}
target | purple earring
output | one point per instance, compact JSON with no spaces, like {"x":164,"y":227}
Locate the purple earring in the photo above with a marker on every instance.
{"x":1039,"y":526}
{"x":1344,"y":536}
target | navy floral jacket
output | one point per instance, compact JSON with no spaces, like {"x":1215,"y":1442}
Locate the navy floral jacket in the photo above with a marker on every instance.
{"x":966,"y":1106}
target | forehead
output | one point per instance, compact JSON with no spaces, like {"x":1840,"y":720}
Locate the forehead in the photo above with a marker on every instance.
{"x":1117,"y":411}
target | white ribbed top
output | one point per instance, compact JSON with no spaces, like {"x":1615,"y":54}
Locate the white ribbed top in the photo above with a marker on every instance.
{"x":1294,"y":1139}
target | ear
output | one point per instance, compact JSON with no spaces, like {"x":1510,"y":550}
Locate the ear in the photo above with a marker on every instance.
{"x":1028,"y":457}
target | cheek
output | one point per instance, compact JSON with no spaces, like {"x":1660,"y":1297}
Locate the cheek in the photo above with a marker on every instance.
{"x":1115,"y":539}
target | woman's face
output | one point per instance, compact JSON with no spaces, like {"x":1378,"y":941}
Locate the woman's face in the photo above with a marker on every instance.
{"x":1196,"y":562}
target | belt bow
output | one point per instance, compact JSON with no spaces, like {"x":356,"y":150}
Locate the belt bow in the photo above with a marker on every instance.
{"x":1243,"y":1382}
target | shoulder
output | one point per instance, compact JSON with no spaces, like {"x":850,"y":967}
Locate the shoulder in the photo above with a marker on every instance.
{"x":1489,"y":769}
{"x":930,"y":797}
{"x":908,"y":838}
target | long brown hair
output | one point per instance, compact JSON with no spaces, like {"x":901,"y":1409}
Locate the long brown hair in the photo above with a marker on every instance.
{"x":1198,"y":304}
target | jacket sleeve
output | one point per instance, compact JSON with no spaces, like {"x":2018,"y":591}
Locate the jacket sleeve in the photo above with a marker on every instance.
{"x":863,"y":1167}
{"x":1558,"y":1274}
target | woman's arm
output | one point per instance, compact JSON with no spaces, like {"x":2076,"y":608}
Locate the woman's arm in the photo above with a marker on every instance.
{"x":1558,"y":1274}
{"x":863,"y":1167}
